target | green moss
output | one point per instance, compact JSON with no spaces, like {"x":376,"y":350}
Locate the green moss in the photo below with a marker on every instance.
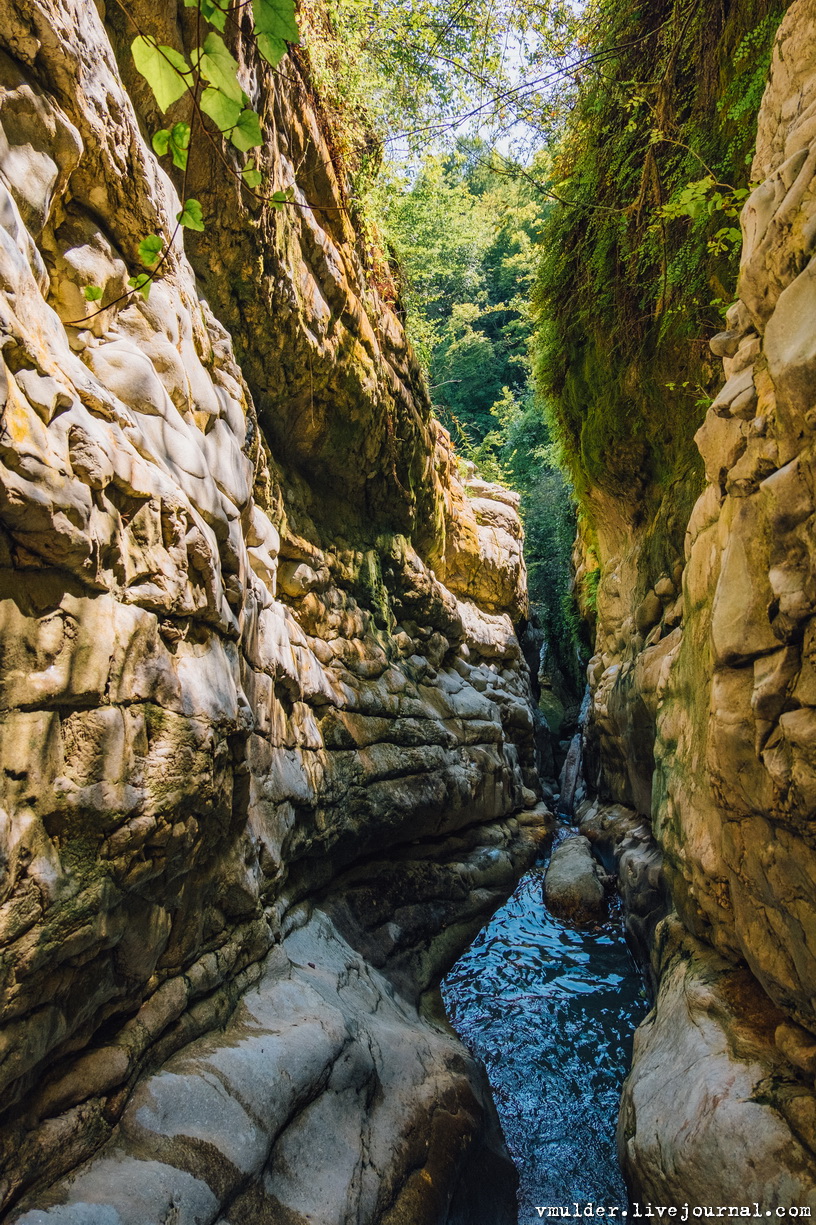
{"x":627,"y":297}
{"x":589,"y":590}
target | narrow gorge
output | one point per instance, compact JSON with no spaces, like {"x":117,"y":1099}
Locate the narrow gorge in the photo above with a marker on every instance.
{"x":271,"y":730}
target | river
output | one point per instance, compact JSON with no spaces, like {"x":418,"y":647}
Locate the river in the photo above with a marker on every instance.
{"x":551,"y":1010}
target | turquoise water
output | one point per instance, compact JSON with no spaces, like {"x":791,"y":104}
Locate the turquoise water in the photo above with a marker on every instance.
{"x":550,"y":1011}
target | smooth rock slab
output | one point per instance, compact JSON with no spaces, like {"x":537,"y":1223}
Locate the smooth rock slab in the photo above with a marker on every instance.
{"x":326,"y":1098}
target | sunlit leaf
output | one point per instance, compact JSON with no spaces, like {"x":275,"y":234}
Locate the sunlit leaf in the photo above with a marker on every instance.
{"x":223,"y":111}
{"x":165,"y":70}
{"x":271,"y":48}
{"x":275,"y":26}
{"x":276,"y":17}
{"x":247,"y":131}
{"x":150,"y":249}
{"x":217,"y":65}
{"x":92,"y":293}
{"x":191,"y":216}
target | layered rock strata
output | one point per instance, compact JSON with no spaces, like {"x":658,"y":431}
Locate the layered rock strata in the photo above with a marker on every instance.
{"x":704,"y":719}
{"x":266,"y":742}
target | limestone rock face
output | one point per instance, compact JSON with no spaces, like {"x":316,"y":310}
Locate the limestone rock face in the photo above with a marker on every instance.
{"x":703,"y":700}
{"x":736,"y":802}
{"x":266,"y":741}
{"x":741,"y":1129}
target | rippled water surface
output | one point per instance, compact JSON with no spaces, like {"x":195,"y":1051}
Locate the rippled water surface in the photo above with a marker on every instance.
{"x":551,"y":1012}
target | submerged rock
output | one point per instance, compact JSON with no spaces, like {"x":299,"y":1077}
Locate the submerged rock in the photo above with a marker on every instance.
{"x":574,"y":883}
{"x":626,"y":847}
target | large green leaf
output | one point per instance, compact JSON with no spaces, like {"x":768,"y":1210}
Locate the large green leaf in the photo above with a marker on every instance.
{"x":272,"y":49}
{"x":217,"y":65}
{"x":275,"y":26}
{"x":150,"y":249}
{"x":165,"y":70}
{"x":276,"y":17}
{"x":175,"y":141}
{"x":223,"y":111}
{"x":191,"y":216}
{"x":214,"y":11}
{"x":247,"y":132}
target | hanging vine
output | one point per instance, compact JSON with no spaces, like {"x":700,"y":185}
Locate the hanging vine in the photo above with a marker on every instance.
{"x":209,"y":78}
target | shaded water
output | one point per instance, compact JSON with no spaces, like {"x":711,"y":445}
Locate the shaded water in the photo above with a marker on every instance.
{"x":550,"y":1011}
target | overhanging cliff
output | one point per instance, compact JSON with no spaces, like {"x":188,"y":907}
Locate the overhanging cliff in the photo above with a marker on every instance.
{"x":266,"y":740}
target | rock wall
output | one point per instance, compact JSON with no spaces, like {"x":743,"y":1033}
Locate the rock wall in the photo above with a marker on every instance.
{"x":265,"y":733}
{"x":704,"y":717}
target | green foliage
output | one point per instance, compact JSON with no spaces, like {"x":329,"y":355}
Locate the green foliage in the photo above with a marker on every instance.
{"x":217,"y":65}
{"x":418,"y":74}
{"x":150,"y":249}
{"x":704,"y":198}
{"x":211,"y":83}
{"x":275,"y":26}
{"x":246,"y":133}
{"x":590,"y":584}
{"x":636,"y":266}
{"x":176,"y":141}
{"x":752,"y":58}
{"x":191,"y":216}
{"x":465,"y":238}
{"x":224,"y":111}
{"x":166,"y":71}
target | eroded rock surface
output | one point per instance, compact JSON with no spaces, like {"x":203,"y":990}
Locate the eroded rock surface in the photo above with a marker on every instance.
{"x":265,"y":722}
{"x":703,"y":716}
{"x":712,"y":1112}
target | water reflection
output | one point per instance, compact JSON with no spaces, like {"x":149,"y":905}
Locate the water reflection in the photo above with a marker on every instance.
{"x":551,"y":1012}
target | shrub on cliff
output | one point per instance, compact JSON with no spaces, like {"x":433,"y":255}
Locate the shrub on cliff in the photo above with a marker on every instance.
{"x":640,"y":257}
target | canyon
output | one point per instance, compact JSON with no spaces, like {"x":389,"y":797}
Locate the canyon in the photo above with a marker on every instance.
{"x":269,"y":744}
{"x":700,"y":720}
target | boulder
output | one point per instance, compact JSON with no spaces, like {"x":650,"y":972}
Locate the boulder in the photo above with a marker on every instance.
{"x":574,"y":883}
